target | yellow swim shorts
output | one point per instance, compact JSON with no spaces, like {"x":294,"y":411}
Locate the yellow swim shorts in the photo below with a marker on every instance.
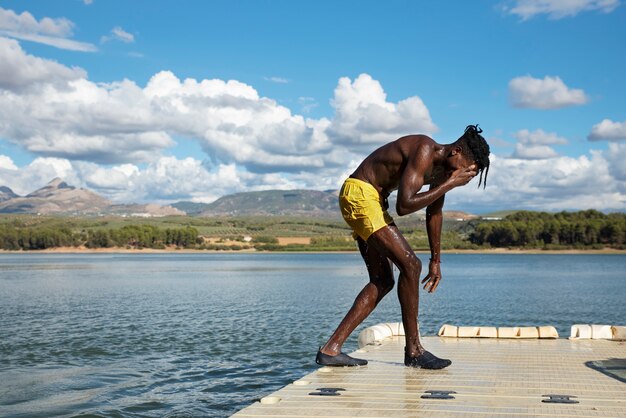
{"x":362,"y":208}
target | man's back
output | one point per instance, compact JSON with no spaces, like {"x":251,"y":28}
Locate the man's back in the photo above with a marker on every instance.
{"x":384,"y":167}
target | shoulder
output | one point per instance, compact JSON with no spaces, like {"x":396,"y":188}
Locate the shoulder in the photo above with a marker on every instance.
{"x":417,"y":145}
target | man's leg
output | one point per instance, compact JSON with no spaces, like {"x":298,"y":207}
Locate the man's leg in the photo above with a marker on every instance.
{"x":381,"y":282}
{"x":390,"y":242}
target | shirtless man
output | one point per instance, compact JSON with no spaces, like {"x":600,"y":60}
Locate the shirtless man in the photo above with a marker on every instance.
{"x":406,"y":164}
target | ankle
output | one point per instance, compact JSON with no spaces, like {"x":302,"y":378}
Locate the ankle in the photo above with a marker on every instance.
{"x":418,"y":351}
{"x":330,"y":351}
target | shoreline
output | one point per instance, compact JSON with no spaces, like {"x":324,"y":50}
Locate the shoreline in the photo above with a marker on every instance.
{"x":118,"y":250}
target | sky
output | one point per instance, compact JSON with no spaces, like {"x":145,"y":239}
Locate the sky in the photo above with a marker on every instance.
{"x":163,"y":101}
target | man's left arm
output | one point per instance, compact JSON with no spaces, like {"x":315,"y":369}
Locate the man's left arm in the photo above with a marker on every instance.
{"x":434,"y":220}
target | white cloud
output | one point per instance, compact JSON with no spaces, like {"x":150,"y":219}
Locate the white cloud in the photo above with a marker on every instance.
{"x":56,"y":111}
{"x":52,"y":110}
{"x":7,"y":163}
{"x":61,"y":43}
{"x":533,"y":152}
{"x":278,"y":80}
{"x":19,"y":71}
{"x":122,"y":122}
{"x":234,"y":124}
{"x":251,"y":142}
{"x":616,"y":155}
{"x":24,"y":180}
{"x":118,"y":34}
{"x":560,"y":183}
{"x":539,"y":137}
{"x":608,"y":130}
{"x":546,"y":93}
{"x":48,"y":31}
{"x":26,"y":23}
{"x":164,"y":180}
{"x":536,"y":144}
{"x":558,"y":9}
{"x":365,"y":119}
{"x":88,"y":2}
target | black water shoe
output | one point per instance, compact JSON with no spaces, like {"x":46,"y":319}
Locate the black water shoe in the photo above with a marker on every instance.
{"x":426,"y":360}
{"x":341,"y":359}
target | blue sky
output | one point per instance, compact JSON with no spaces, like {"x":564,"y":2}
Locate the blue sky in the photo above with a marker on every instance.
{"x":315,"y":86}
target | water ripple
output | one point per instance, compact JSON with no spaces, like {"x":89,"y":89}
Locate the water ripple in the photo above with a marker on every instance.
{"x":205,"y":335}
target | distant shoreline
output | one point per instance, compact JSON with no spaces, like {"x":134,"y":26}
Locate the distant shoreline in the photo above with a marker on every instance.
{"x":118,"y":250}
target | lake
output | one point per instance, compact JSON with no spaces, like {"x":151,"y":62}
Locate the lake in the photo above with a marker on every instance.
{"x":208,"y":334}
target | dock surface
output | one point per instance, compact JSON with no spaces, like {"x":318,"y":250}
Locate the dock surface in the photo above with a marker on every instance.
{"x":488,"y":377}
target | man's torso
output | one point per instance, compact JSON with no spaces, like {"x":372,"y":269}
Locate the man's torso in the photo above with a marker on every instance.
{"x":384,"y":167}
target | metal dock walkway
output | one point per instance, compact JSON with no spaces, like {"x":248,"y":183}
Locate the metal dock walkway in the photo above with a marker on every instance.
{"x":488,"y":377}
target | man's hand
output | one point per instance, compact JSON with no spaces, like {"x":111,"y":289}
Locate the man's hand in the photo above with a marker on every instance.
{"x":462,"y":176}
{"x":433,"y":277}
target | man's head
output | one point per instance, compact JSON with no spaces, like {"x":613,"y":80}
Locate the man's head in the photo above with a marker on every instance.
{"x":471,"y":148}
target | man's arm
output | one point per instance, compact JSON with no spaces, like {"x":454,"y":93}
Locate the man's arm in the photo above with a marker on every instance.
{"x":412,"y":180}
{"x":434,"y":219}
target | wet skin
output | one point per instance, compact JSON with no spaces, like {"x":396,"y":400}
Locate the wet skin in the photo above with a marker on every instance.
{"x":406,"y":165}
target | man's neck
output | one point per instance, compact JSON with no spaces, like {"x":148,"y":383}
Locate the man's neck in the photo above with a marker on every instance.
{"x":440,"y":154}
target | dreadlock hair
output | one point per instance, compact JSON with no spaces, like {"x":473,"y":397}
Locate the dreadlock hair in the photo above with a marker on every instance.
{"x":474,"y":146}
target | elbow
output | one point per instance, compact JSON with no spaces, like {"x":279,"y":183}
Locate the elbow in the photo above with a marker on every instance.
{"x":401,"y":209}
{"x":406,"y":206}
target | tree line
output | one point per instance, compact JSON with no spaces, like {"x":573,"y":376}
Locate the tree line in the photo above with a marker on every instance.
{"x":133,"y":236}
{"x":584,"y":229}
{"x":588,"y":228}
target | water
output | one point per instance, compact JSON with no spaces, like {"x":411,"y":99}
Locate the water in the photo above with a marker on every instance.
{"x":207,"y":334}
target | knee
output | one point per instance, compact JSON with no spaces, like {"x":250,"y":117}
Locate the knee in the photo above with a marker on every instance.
{"x":412,"y":268}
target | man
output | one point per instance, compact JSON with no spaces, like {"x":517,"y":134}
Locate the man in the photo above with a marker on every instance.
{"x":406,"y":164}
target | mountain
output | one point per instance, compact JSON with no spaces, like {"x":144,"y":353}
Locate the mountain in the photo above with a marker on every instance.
{"x":55,"y":188}
{"x":290,"y":202}
{"x":276,"y":202}
{"x":6,"y":194}
{"x":58,"y":197}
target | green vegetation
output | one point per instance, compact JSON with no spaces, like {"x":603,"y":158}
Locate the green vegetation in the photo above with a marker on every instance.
{"x":520,"y":229}
{"x":584,"y":229}
{"x":18,"y":235}
{"x":31,"y":232}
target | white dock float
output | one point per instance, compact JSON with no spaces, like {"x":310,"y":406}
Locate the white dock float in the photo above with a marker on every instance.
{"x":488,"y":377}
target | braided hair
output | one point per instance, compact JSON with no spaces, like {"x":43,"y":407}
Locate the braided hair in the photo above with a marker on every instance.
{"x":474,"y":146}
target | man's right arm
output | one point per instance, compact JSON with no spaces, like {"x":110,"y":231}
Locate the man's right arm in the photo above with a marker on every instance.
{"x":416,"y":201}
{"x":410,"y":199}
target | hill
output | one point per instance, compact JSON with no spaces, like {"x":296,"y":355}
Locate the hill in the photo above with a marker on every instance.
{"x":58,"y":197}
{"x":276,"y":202}
{"x":303,"y":203}
{"x":190,"y":208}
{"x":6,"y":194}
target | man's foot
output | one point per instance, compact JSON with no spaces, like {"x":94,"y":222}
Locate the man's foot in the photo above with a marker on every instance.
{"x":426,"y":360}
{"x":341,"y":359}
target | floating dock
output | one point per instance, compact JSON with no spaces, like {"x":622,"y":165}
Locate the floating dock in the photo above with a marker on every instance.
{"x":488,"y":377}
